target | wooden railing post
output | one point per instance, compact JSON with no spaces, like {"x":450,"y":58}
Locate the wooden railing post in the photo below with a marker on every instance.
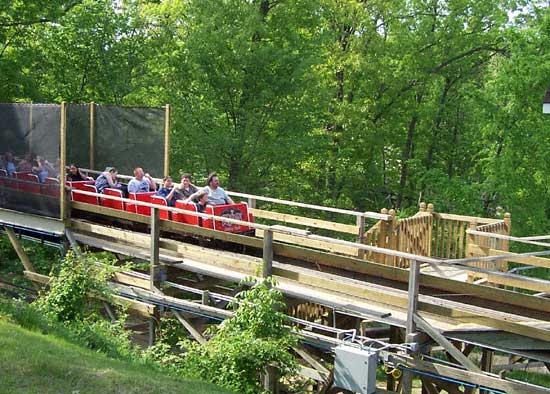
{"x":361,"y":235}
{"x":471,"y":241}
{"x":155,"y":270}
{"x":422,"y":207}
{"x":251,"y":202}
{"x":155,"y":259}
{"x":268,"y":254}
{"x":392,"y":237}
{"x":382,"y":233}
{"x":429,"y":241}
{"x":503,"y":266}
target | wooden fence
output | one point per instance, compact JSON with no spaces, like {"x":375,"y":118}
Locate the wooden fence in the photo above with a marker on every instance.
{"x":433,"y":234}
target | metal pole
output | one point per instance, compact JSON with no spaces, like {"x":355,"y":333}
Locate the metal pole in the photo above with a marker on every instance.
{"x":92,"y":136}
{"x":167,"y":140}
{"x":410,"y":329}
{"x":64,"y":211}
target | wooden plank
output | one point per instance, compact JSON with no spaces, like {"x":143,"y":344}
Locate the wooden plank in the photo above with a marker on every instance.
{"x":447,"y":345}
{"x":527,"y":260}
{"x":311,"y":360}
{"x":114,"y":213}
{"x":512,"y":280}
{"x":311,"y":243}
{"x":312,"y":373}
{"x":304,"y":221}
{"x":128,"y":279}
{"x":465,"y":218}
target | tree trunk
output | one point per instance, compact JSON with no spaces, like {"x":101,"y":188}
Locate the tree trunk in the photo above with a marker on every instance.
{"x":407,"y":154}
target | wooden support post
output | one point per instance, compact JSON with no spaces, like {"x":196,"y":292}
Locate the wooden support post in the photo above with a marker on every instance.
{"x":271,"y":380}
{"x":167,"y":140}
{"x":155,"y":260}
{"x":72,"y":241}
{"x":471,"y":240}
{"x":486,"y":364}
{"x":63,"y":200}
{"x":410,"y":328}
{"x":251,"y":202}
{"x":268,"y":254}
{"x":392,"y":238}
{"x":205,"y":298}
{"x":92,"y":136}
{"x":21,"y":252}
{"x":381,"y":242}
{"x":361,"y":235}
{"x":152,"y":331}
{"x":109,"y":311}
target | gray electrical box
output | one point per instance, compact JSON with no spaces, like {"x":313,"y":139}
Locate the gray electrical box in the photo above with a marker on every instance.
{"x":355,"y":369}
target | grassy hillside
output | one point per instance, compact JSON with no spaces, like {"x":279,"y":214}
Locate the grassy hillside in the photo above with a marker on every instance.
{"x":35,"y":363}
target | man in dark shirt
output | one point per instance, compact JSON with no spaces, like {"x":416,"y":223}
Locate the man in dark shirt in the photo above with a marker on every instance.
{"x":169,"y":192}
{"x":186,"y":187}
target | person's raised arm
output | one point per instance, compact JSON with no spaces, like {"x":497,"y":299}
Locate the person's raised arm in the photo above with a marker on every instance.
{"x":111,"y":180}
{"x":152,"y":184}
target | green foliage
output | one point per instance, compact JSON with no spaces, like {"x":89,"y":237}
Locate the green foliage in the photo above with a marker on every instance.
{"x":70,"y":311}
{"x":241,"y":347}
{"x":79,"y":278}
{"x":245,"y":345}
{"x":358,"y":105}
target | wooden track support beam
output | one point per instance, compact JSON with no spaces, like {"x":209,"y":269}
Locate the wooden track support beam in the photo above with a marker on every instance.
{"x":189,"y":327}
{"x":447,"y":345}
{"x":19,"y":250}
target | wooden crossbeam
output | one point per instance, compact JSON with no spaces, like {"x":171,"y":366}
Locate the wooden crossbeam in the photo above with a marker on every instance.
{"x":19,"y":249}
{"x":447,"y":345}
{"x":189,"y":327}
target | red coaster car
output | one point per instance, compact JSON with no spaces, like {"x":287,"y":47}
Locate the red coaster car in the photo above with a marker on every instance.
{"x":143,"y":197}
{"x":237,"y":211}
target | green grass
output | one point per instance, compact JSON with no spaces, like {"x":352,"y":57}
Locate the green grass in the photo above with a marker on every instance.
{"x":531,"y":377}
{"x":34,"y":363}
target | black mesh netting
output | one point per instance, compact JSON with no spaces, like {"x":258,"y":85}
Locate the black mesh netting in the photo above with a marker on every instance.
{"x":29,"y":161}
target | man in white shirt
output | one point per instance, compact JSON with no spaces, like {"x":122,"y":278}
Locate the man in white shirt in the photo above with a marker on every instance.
{"x":141,"y":182}
{"x":216,"y":195}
